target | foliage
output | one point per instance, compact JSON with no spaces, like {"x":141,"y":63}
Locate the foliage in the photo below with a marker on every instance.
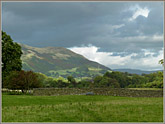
{"x":97,"y":80}
{"x":161,"y":61}
{"x":72,"y":80}
{"x":22,"y":80}
{"x":106,"y":81}
{"x":109,"y":79}
{"x":42,"y":78}
{"x":109,"y":82}
{"x":122,"y":78}
{"x":156,"y":82}
{"x":83,"y":84}
{"x":11,"y":54}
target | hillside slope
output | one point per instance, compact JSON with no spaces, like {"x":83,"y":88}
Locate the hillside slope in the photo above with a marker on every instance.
{"x":59,"y":61}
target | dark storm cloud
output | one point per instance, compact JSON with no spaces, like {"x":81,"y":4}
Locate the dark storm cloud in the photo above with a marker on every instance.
{"x":68,"y":24}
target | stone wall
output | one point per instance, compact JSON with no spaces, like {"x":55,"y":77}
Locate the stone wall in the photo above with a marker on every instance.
{"x":97,"y":91}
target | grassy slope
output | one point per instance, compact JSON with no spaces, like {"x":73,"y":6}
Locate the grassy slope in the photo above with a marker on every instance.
{"x":93,"y":71}
{"x":23,"y":108}
{"x":49,"y":59}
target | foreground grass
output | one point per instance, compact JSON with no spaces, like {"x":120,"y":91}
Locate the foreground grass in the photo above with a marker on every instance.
{"x":75,"y":108}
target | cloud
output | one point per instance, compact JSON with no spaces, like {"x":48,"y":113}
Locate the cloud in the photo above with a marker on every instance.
{"x":138,"y":11}
{"x":68,"y":24}
{"x":147,"y":61}
{"x":105,"y":25}
{"x":118,"y":26}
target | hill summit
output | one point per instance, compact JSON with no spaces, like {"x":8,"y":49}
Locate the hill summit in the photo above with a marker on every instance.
{"x":59,"y":61}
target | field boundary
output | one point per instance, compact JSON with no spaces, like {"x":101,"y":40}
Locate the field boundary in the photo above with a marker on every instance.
{"x":97,"y":91}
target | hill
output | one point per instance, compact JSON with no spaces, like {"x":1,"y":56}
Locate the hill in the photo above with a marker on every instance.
{"x":59,"y":61}
{"x":135,"y":71}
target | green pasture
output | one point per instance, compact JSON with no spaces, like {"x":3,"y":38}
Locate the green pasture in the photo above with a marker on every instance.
{"x":80,"y":108}
{"x":92,"y":71}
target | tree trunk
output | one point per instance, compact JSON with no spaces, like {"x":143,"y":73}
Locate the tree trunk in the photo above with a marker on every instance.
{"x":22,"y":91}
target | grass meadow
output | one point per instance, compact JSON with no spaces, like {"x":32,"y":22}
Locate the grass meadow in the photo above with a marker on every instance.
{"x":80,"y":108}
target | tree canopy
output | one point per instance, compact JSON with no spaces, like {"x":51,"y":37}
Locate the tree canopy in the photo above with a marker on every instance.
{"x":22,"y":80}
{"x":11,"y":55}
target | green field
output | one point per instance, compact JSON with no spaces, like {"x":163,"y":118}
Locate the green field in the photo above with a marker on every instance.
{"x":80,"y":108}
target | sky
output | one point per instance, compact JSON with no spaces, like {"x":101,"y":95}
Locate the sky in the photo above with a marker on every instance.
{"x":115,"y":34}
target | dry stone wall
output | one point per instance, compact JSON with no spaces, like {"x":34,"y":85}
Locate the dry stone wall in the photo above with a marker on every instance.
{"x":97,"y":91}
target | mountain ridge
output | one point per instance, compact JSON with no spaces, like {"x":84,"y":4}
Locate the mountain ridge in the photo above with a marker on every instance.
{"x":135,"y":71}
{"x":52,"y":59}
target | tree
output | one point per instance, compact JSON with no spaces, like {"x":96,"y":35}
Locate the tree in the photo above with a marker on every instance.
{"x":83,"y":84}
{"x":72,"y":80}
{"x":61,"y":83}
{"x":16,"y":80}
{"x":22,"y":80}
{"x":109,"y":82}
{"x":119,"y":76}
{"x":138,"y":80}
{"x":42,"y":78}
{"x":31,"y":80}
{"x":107,"y":74}
{"x":11,"y":55}
{"x":97,"y":80}
{"x":157,"y":82}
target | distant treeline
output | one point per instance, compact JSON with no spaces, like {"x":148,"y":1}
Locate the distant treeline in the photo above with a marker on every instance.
{"x":28,"y":80}
{"x":109,"y":79}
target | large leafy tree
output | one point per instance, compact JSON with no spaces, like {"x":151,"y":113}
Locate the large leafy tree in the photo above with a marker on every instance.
{"x":11,"y":55}
{"x":22,"y":80}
